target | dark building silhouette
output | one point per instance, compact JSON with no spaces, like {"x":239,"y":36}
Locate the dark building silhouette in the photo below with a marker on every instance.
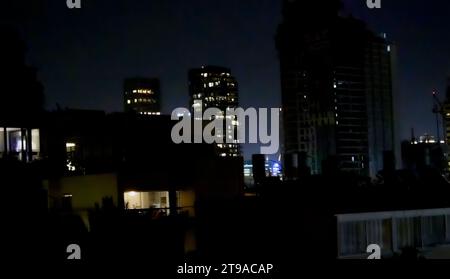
{"x":142,"y":95}
{"x":336,"y":88}
{"x":213,"y":86}
{"x":448,"y":89}
{"x":295,"y":165}
{"x":423,"y":153}
{"x":84,"y":144}
{"x":446,"y":113}
{"x":21,"y":100}
{"x":259,"y":168}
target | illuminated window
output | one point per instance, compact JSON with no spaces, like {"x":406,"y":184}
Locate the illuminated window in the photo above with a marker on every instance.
{"x":35,"y":141}
{"x":70,"y":155}
{"x":70,"y":146}
{"x":128,"y":101}
{"x":145,"y":200}
{"x":135,"y":100}
{"x":2,"y":141}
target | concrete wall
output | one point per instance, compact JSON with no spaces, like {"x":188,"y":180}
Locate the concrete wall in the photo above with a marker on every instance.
{"x":86,"y":191}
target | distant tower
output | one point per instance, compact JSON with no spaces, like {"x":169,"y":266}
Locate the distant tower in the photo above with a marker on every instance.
{"x":447,"y":113}
{"x":215,"y":87}
{"x":142,"y":95}
{"x":336,"y":79}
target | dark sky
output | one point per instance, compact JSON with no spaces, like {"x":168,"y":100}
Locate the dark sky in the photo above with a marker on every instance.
{"x":84,"y":55}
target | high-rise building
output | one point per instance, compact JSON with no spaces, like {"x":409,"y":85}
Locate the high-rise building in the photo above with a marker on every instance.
{"x":447,"y":114}
{"x":213,"y":86}
{"x":142,"y":95}
{"x":336,"y":80}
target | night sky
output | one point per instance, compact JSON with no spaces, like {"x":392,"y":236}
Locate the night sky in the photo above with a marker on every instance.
{"x":84,"y":55}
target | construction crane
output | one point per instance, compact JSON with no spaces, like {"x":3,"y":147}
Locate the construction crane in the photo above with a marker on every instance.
{"x":438,"y":109}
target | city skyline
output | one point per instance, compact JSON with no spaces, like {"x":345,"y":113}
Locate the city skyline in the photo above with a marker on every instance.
{"x":107,"y":169}
{"x":248,"y":51}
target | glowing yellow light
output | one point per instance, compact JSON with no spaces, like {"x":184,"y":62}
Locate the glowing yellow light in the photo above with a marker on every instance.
{"x":132,"y":194}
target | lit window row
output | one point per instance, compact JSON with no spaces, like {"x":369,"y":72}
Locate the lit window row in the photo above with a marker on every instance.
{"x":143,"y":91}
{"x":223,"y":98}
{"x":217,"y":83}
{"x":149,"y":113}
{"x":140,"y":100}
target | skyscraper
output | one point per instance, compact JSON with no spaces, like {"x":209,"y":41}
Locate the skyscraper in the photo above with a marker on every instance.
{"x":213,"y":86}
{"x":142,"y":95}
{"x":447,"y":114}
{"x":336,"y":88}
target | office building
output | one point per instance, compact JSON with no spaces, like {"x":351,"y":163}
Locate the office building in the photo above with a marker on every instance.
{"x":213,"y":86}
{"x":336,"y":89}
{"x":446,"y":113}
{"x":142,"y":95}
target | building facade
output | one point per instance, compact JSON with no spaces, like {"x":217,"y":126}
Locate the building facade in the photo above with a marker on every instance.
{"x":447,"y":113}
{"x":21,"y":101}
{"x":424,"y":152}
{"x":336,"y":89}
{"x":215,"y":87}
{"x":393,"y":231}
{"x":142,"y":95}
